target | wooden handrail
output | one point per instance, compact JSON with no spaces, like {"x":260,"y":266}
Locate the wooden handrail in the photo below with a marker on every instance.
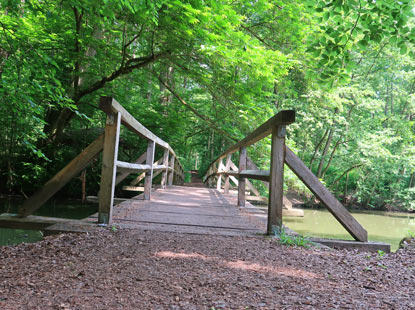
{"x":117,"y":115}
{"x":280,"y":154}
{"x":108,"y":144}
{"x":282,"y":118}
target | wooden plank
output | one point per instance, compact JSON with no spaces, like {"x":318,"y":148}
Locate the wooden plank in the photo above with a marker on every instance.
{"x":220,"y":168}
{"x":257,"y":198}
{"x":72,"y":169}
{"x":130,"y":167}
{"x":133,"y":188}
{"x":142,"y":175}
{"x":285,"y":117}
{"x":276,"y":180}
{"x":242,"y":185}
{"x":165,"y":171}
{"x":171,"y":173}
{"x":360,"y":246}
{"x":327,"y":198}
{"x":123,"y":175}
{"x":148,"y":180}
{"x":256,"y":174}
{"x":227,"y":168}
{"x":159,"y":167}
{"x":109,"y":168}
{"x":109,"y":105}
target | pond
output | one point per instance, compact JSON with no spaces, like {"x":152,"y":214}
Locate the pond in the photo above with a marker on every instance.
{"x":385,"y":227}
{"x":63,"y":209}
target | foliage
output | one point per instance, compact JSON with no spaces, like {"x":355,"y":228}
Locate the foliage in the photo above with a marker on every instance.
{"x":292,"y":240}
{"x":203,"y":74}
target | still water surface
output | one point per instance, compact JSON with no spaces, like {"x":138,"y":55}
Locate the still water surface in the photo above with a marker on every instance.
{"x":381,"y":226}
{"x":68,"y":209}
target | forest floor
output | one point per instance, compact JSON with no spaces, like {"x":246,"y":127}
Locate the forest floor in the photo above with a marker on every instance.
{"x":127,"y":269}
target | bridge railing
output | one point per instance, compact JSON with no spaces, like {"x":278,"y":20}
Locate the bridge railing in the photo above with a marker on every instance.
{"x":280,"y":154}
{"x":169,"y":165}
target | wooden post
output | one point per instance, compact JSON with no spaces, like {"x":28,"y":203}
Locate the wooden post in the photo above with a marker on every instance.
{"x":165,"y":172}
{"x":149,"y":174}
{"x":227,"y":168}
{"x":219,"y":183}
{"x":109,"y":168}
{"x":171,"y":173}
{"x":242,"y":183}
{"x":276,"y":180}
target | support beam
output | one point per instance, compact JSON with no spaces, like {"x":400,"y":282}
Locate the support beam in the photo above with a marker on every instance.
{"x":131,"y":168}
{"x":143,"y":175}
{"x":123,"y":175}
{"x":165,"y":172}
{"x":220,"y":168}
{"x":327,"y":198}
{"x":149,"y":174}
{"x":72,"y":169}
{"x":242,"y":185}
{"x":227,"y":167}
{"x":171,"y":173}
{"x":276,"y":180}
{"x":109,"y":168}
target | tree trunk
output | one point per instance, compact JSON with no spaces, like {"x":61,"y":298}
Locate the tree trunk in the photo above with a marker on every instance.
{"x":331,"y":157}
{"x":411,"y":181}
{"x":317,"y":148}
{"x":345,"y":188}
{"x":325,"y":151}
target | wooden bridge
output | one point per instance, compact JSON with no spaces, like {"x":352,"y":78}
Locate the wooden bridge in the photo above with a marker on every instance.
{"x":171,"y":205}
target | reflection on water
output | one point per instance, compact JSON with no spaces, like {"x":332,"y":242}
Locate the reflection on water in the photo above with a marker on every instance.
{"x":70,"y":210}
{"x":382,"y":227}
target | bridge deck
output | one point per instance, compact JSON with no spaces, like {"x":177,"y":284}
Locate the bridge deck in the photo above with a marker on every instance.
{"x":184,"y":209}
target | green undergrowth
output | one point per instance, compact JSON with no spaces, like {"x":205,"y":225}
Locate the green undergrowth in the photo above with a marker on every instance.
{"x":292,"y":240}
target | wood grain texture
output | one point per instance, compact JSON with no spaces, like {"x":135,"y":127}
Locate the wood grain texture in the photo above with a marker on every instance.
{"x":121,"y":176}
{"x":109,"y":168}
{"x":276,"y":182}
{"x":148,"y":180}
{"x":285,"y":117}
{"x":165,"y":171}
{"x":171,"y":173}
{"x":242,"y":185}
{"x":327,"y":198}
{"x":72,"y":169}
{"x":109,"y":105}
{"x":227,"y":168}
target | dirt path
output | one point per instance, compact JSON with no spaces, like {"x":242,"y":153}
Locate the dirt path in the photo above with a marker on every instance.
{"x":156,"y":270}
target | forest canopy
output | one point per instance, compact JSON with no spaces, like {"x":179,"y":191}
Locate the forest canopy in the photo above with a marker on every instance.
{"x":202,"y":74}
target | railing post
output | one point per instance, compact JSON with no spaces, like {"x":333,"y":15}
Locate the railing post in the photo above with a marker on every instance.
{"x":276,"y":179}
{"x":241,"y":183}
{"x":109,"y":167}
{"x":227,"y":168}
{"x":149,"y":174}
{"x":165,"y":172}
{"x":219,"y":182}
{"x":171,"y":172}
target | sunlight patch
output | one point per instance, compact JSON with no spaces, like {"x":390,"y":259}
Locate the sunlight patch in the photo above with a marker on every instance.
{"x":289,"y":272}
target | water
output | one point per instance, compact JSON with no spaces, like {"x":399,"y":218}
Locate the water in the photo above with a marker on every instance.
{"x":381,"y":226}
{"x":67,"y":209}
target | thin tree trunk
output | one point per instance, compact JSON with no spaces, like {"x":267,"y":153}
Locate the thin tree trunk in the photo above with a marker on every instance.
{"x":346,"y":172}
{"x":325,"y":151}
{"x":411,"y":181}
{"x":345,"y":188}
{"x":331,"y":157}
{"x":317,"y":148}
